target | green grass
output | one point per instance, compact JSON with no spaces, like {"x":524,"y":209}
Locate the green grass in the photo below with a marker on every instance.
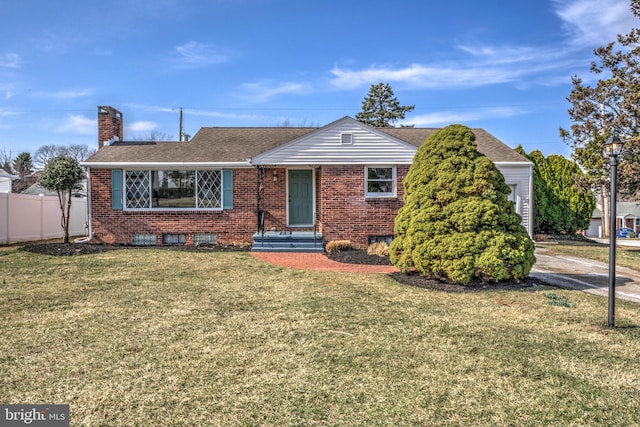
{"x":627,"y":256}
{"x":152,"y":337}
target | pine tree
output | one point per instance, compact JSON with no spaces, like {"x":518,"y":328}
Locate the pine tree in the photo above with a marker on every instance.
{"x":23,"y":164}
{"x":610,"y":106}
{"x":457,"y":222}
{"x":381,"y":108}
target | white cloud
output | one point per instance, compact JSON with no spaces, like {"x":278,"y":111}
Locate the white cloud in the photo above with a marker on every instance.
{"x":142,"y":126}
{"x":195,"y":55}
{"x":6,"y":91}
{"x":588,"y":23}
{"x":193,"y":112}
{"x":447,"y":117}
{"x":424,"y":77}
{"x":216,"y":114}
{"x":262,"y":91}
{"x":78,"y":124}
{"x":6,"y":113}
{"x":64,"y":94}
{"x":9,"y":60}
{"x":482,"y":65}
{"x":594,"y":23}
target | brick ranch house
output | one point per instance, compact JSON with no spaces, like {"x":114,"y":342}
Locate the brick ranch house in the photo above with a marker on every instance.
{"x":238,"y":185}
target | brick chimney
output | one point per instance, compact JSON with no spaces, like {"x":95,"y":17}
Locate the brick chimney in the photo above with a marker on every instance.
{"x":109,"y":126}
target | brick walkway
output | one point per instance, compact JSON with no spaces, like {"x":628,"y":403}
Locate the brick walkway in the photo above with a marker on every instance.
{"x":319,"y":262}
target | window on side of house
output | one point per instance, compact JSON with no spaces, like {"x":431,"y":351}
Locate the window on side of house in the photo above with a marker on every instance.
{"x":512,"y":195}
{"x":173,"y":189}
{"x":380,"y":181}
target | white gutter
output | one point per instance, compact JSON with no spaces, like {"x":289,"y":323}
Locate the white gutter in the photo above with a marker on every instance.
{"x":525,"y":163}
{"x":182,"y":165}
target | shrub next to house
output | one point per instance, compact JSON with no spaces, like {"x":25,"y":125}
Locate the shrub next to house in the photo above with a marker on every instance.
{"x":457,"y":222}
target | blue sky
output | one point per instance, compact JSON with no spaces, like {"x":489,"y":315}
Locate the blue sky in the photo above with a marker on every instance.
{"x":502,"y":65}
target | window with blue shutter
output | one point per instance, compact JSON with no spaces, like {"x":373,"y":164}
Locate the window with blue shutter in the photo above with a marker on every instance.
{"x":116,"y":189}
{"x":227,"y":189}
{"x":159,"y":189}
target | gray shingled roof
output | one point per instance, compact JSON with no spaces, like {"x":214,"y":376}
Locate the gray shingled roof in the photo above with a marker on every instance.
{"x":488,"y":144}
{"x":237,"y":144}
{"x":210,"y":144}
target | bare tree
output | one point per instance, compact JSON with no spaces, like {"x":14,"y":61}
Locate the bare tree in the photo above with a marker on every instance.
{"x":154,"y":135}
{"x":6,"y":160}
{"x":46,"y":153}
{"x":288,"y":123}
{"x":79,"y":151}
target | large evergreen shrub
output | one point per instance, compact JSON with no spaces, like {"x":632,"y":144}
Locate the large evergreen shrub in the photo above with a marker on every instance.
{"x":457,"y":222}
{"x":561,"y":206}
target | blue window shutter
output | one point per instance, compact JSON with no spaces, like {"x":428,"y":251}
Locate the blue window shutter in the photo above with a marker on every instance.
{"x":227,"y":189}
{"x":116,"y":189}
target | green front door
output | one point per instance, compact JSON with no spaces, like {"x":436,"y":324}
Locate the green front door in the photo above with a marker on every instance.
{"x":300,"y":197}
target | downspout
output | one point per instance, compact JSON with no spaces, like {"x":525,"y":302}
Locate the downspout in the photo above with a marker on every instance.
{"x":532,"y":206}
{"x":88,"y":238}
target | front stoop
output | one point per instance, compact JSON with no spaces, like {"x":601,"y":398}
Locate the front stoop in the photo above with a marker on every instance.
{"x":287,"y":241}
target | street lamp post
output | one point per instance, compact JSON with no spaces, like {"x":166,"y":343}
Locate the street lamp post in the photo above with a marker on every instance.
{"x":613,"y":147}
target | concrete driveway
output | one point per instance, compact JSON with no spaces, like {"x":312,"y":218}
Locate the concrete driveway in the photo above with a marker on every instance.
{"x":585,"y":275}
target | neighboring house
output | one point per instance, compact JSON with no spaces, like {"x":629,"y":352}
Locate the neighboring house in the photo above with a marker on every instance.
{"x":627,"y":215}
{"x":5,"y":181}
{"x":37,"y":190}
{"x":339,"y":181}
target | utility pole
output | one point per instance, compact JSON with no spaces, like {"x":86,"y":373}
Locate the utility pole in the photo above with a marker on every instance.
{"x":180,"y":134}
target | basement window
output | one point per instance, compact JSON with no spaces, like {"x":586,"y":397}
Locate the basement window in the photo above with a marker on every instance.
{"x":376,"y":239}
{"x":174,"y":239}
{"x":143,"y":239}
{"x":205,"y":238}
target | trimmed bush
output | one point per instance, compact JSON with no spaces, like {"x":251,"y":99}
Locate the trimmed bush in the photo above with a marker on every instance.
{"x":457,"y":222}
{"x":338,"y":245}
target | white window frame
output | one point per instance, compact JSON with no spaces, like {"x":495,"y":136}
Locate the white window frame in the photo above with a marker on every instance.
{"x":379,"y":195}
{"x":514,"y":198}
{"x":350,"y":138}
{"x":150,"y":208}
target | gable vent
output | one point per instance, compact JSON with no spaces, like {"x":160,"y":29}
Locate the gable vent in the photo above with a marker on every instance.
{"x":346,"y":138}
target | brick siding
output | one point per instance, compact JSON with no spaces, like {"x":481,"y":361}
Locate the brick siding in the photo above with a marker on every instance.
{"x":110,"y":125}
{"x":343,"y":212}
{"x":231,"y":226}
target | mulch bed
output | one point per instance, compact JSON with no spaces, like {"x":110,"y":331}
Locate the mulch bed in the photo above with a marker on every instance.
{"x":355,"y":256}
{"x":70,"y":249}
{"x":414,"y":279}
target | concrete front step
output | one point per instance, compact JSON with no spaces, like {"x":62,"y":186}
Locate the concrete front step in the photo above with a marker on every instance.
{"x":287,"y":241}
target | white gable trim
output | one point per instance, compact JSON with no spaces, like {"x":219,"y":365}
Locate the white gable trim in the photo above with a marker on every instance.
{"x":324,"y":146}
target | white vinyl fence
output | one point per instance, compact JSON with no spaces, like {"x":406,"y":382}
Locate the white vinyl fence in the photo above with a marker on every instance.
{"x":25,"y":218}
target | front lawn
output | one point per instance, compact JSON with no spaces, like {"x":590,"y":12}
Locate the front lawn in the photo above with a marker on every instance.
{"x":156,"y":337}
